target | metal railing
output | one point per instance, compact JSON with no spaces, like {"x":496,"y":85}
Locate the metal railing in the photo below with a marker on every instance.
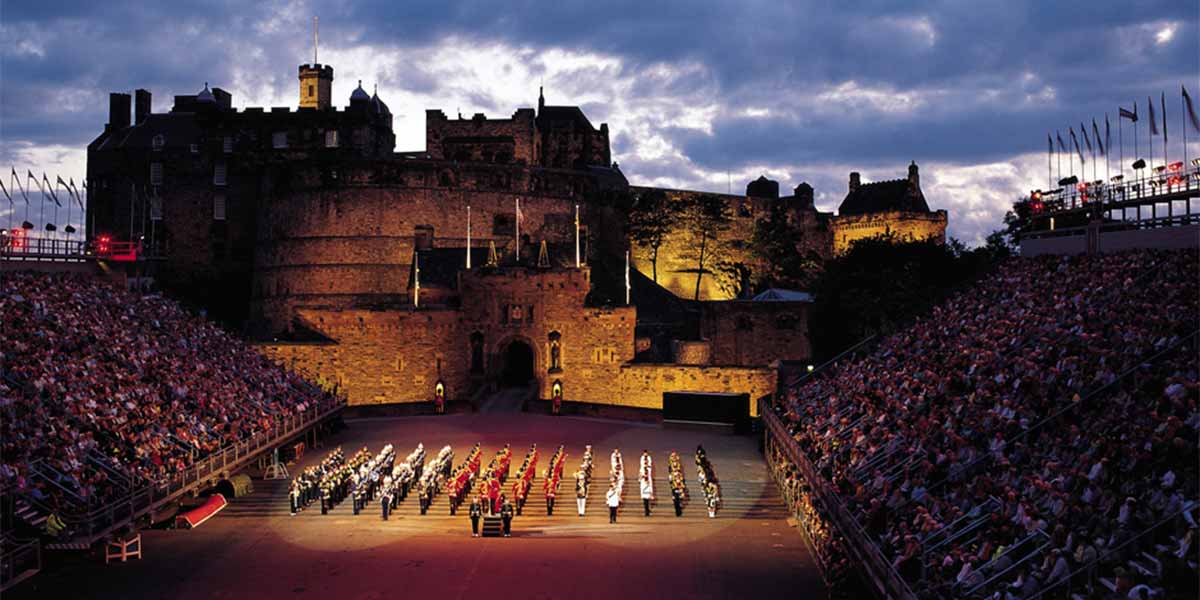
{"x":91,"y":525}
{"x":1161,"y":184}
{"x":18,"y":246}
{"x":885,"y":579}
{"x":18,"y":560}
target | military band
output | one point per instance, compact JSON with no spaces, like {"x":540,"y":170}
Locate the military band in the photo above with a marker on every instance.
{"x":520,"y":489}
{"x":553,"y":478}
{"x":708,"y":482}
{"x":678,"y":483}
{"x":616,"y":484}
{"x":365,"y":478}
{"x":646,"y":481}
{"x":583,"y":479}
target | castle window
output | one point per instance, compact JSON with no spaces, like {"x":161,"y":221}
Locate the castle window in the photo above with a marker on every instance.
{"x":156,"y":173}
{"x":219,"y":172}
{"x":227,"y":145}
{"x":157,"y":142}
{"x":331,"y":138}
{"x":311,"y":90}
{"x":423,"y":237}
{"x":194,"y":148}
{"x":218,"y":207}
{"x":279,"y":139}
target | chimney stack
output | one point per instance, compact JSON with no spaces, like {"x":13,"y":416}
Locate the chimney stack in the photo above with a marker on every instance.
{"x":141,"y":106}
{"x":855,"y":181}
{"x":118,"y":111}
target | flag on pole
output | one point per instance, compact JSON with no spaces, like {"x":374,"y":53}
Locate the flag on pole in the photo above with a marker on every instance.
{"x":1153,"y":120}
{"x":1086,"y":139}
{"x":468,"y":237}
{"x":1062,"y":146}
{"x":1075,"y":141}
{"x":1107,"y":132}
{"x":64,"y":184}
{"x":1125,"y":114}
{"x":29,"y":175}
{"x":1096,"y":133}
{"x":1163,"y":104}
{"x":1191,"y":109}
{"x":78,"y":198}
{"x":50,"y":189}
{"x":5,"y":190}
{"x":17,"y":179}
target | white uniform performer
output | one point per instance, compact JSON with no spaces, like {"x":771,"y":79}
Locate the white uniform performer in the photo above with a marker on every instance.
{"x":647,"y":489}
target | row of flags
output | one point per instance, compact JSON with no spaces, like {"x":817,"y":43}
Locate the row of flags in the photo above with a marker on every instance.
{"x":47,"y":190}
{"x":1101,"y":142}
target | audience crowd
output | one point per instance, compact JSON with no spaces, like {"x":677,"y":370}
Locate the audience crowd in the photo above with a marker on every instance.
{"x":1037,"y":431}
{"x":103,"y":390}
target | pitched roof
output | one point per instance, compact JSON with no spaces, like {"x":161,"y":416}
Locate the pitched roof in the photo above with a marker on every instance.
{"x":782,"y":295}
{"x":563,"y":113}
{"x":883,"y":196}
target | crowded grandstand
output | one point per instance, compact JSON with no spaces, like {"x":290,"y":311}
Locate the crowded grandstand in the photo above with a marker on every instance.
{"x":1034,"y":436}
{"x":105,"y":392}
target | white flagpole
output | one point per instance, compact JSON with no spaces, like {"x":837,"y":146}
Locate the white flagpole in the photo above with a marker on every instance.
{"x":517,"y":239}
{"x":416,"y":279}
{"x":626,"y":277}
{"x":576,"y":236}
{"x":468,"y":237}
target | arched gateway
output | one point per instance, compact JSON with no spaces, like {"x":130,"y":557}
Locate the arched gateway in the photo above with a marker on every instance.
{"x":517,"y":364}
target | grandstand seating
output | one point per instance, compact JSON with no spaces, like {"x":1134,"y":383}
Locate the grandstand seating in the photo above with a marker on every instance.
{"x":103,"y":391}
{"x":1037,"y":430}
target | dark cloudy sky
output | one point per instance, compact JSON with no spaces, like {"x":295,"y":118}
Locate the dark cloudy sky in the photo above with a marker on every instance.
{"x":696,"y":93}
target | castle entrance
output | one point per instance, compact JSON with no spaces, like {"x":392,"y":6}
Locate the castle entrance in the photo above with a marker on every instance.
{"x":517,"y":370}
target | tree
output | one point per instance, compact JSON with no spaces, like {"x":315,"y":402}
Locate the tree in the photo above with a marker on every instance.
{"x":777,"y":243}
{"x":705,"y":217}
{"x":650,"y":220}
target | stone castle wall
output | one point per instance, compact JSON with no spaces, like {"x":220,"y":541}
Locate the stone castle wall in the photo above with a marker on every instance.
{"x":904,"y":225}
{"x":642,"y":385}
{"x":756,"y":333}
{"x":351,"y":243}
{"x":482,"y":139}
{"x":397,"y":356}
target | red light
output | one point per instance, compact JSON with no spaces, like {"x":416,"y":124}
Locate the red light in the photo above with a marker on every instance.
{"x":1037,"y":196}
{"x":1175,"y":180}
{"x":1176,"y":167}
{"x":1081,"y":187}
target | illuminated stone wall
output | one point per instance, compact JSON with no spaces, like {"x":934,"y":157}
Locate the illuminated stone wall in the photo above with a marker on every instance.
{"x":905,"y":225}
{"x":642,"y":385}
{"x":389,"y":356}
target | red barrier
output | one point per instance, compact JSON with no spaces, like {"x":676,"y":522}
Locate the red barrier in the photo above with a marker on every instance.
{"x":193,"y":518}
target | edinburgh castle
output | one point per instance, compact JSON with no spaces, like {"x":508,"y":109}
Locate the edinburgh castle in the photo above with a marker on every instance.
{"x":495,"y":256}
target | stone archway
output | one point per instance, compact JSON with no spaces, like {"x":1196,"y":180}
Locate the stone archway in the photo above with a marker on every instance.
{"x":517,"y":364}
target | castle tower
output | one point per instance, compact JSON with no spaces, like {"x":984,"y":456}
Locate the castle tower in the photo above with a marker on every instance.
{"x":316,"y":86}
{"x":316,"y":81}
{"x":913,"y":176}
